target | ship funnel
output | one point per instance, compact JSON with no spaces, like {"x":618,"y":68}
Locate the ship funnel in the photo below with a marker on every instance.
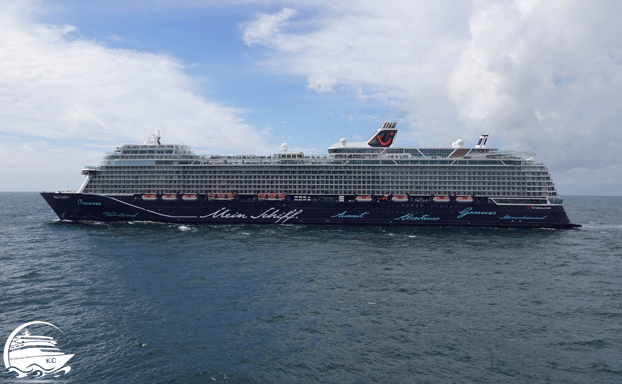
{"x":481,"y":143}
{"x":384,"y":135}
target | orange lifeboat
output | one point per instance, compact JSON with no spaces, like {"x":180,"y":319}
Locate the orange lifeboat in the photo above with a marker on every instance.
{"x":364,"y":199}
{"x":400,"y":199}
{"x":271,"y":196}
{"x":169,"y":197}
{"x":221,"y":196}
{"x":464,"y":199}
{"x":441,"y":199}
{"x":150,"y":197}
{"x":190,"y":197}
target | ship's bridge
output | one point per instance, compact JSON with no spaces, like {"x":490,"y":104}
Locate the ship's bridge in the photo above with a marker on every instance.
{"x":147,"y":153}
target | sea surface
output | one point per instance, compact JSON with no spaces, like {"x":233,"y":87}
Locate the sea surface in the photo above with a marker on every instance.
{"x":162,"y":303}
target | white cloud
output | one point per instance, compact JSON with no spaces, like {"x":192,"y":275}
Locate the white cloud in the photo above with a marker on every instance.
{"x":541,"y":75}
{"x":56,"y":87}
{"x":388,"y":48}
{"x":547,"y":77}
{"x":266,"y":29}
{"x":54,"y":84}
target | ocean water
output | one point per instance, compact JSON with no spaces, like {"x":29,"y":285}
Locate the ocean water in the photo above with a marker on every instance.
{"x":161,"y":303}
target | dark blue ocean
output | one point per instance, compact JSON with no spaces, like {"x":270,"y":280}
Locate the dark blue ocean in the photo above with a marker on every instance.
{"x":160,"y":303}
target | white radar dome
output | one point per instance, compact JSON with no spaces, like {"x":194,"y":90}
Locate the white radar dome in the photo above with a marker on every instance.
{"x":284,"y":147}
{"x":457,"y":144}
{"x":343,"y":142}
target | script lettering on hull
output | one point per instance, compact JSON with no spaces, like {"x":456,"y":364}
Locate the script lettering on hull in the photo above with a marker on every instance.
{"x":411,"y":217}
{"x":117,"y":214}
{"x":81,"y":202}
{"x":470,"y":211}
{"x":225,"y":213}
{"x":508,"y":217}
{"x":275,"y":214}
{"x":345,"y":215}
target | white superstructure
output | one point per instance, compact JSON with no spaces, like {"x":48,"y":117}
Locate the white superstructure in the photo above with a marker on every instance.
{"x":367,"y":168}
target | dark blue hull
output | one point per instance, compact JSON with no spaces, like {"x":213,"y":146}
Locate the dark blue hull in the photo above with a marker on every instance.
{"x":416,"y":212}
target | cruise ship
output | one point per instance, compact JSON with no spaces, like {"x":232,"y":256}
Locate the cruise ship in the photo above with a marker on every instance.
{"x":356,"y":183}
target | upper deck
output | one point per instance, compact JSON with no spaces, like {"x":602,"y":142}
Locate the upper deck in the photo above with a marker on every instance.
{"x":153,"y":152}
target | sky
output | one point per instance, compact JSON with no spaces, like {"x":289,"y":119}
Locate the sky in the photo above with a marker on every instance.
{"x":79,"y":78}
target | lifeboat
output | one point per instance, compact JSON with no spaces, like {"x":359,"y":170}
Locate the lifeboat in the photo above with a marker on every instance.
{"x":150,"y":197}
{"x":400,"y":199}
{"x":220,"y":196}
{"x":364,"y":199}
{"x":271,"y":196}
{"x":169,"y":197}
{"x":383,"y":198}
{"x":190,"y":197}
{"x":464,"y":199}
{"x":441,"y":199}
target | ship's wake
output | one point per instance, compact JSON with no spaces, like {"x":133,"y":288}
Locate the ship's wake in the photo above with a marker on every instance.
{"x":603,"y":227}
